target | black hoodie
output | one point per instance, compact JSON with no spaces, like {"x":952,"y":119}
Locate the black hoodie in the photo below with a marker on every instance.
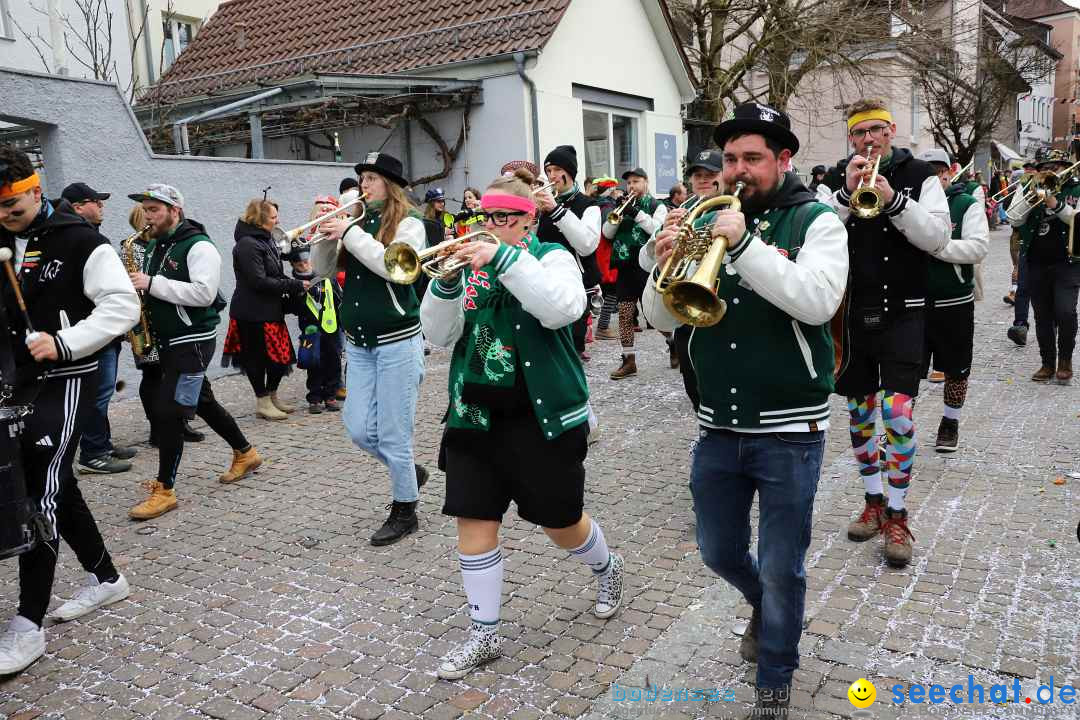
{"x":262,"y":287}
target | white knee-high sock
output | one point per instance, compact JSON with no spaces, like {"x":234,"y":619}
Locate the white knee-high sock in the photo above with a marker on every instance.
{"x":483,"y":578}
{"x":594,"y":551}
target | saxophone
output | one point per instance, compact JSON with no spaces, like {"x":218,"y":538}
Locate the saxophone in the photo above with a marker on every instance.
{"x":141,"y":339}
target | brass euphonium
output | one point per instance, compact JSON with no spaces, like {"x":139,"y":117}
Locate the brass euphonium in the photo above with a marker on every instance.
{"x":694,"y":301}
{"x":866,"y":202}
{"x":142,"y":341}
{"x":404,"y":264}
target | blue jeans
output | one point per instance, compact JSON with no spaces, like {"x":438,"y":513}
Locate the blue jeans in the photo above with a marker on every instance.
{"x":97,"y":438}
{"x":1023,"y":297}
{"x":783,"y":468}
{"x":383,"y":384}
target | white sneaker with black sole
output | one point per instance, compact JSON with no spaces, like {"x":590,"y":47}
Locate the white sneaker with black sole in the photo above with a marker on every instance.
{"x":20,"y":648}
{"x":104,"y":465}
{"x":88,"y":599}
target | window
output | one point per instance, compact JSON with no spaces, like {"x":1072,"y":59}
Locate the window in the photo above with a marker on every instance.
{"x":177,"y":34}
{"x":5,"y":21}
{"x":611,"y":142}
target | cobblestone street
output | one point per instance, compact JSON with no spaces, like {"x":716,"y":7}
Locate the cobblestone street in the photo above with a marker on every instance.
{"x":263,"y":599}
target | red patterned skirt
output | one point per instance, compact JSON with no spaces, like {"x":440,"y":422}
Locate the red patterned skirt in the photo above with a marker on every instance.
{"x":257,"y":344}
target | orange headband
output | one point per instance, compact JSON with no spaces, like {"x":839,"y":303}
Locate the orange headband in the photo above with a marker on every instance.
{"x":20,"y":186}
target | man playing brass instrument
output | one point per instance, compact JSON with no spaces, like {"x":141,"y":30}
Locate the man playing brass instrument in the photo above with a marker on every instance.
{"x":884,"y":316}
{"x":764,"y":375}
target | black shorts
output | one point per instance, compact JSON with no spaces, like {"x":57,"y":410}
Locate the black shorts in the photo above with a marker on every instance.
{"x":886,"y":359}
{"x":513,"y":461}
{"x":950,"y":335}
{"x":630,"y":283}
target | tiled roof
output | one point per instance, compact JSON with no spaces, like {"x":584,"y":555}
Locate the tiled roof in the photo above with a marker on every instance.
{"x":1037,"y":8}
{"x":247,"y":42}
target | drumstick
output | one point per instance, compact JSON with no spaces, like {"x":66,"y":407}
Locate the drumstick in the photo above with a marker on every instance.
{"x":5,"y":257}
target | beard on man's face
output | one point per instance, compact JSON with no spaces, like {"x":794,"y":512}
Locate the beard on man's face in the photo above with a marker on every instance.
{"x":758,"y":193}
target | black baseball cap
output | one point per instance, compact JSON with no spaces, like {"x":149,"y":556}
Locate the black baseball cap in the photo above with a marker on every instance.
{"x":81,"y":192}
{"x":711,"y":160}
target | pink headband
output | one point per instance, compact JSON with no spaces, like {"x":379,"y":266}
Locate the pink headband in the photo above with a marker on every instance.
{"x":501,"y":201}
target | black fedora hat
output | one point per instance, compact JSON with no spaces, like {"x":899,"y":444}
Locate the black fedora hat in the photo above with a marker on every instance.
{"x":758,"y":119}
{"x":386,"y":165}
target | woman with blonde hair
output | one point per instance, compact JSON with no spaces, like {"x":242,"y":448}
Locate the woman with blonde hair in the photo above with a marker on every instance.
{"x":517,"y":427}
{"x":384,"y":350}
{"x":258,"y":340}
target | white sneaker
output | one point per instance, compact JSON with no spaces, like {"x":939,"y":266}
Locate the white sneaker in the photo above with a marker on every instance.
{"x":20,"y":648}
{"x":92,"y":597}
{"x":610,"y":590}
{"x":481,"y":646}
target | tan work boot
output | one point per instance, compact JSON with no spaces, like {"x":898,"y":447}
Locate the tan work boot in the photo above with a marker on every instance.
{"x":281,"y":404}
{"x":1043,"y":374}
{"x":627,"y":369}
{"x":265,"y":408}
{"x":242,"y":464}
{"x":160,"y":502}
{"x":1064,"y":372}
{"x":897,"y":538}
{"x":607,"y":333}
{"x":869,"y":522}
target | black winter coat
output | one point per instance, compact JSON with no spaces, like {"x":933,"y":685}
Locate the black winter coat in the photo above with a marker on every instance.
{"x":263,"y":291}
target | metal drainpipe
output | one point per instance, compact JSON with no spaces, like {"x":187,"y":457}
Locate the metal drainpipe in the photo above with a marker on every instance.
{"x":180,"y":131}
{"x":519,"y":60}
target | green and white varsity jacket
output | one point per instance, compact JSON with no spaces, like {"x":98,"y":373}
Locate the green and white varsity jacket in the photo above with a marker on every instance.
{"x":767,"y":366}
{"x":951,"y":271}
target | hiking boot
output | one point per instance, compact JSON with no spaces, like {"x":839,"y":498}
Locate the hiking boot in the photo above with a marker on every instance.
{"x":1018,"y":334}
{"x":948,"y":436}
{"x":265,"y":408}
{"x":607,"y":334}
{"x":191,"y":434}
{"x":1010,"y":298}
{"x":1043,"y":374}
{"x":242,"y":463}
{"x":772,"y":704}
{"x":314,"y":408}
{"x":160,"y":502}
{"x":105,"y":465}
{"x":627,"y":369}
{"x":401,"y":522}
{"x":281,"y":404}
{"x":748,"y":646}
{"x":123,"y":453}
{"x":936,"y":376}
{"x":897,"y":538}
{"x":422,"y":476}
{"x":332,"y":405}
{"x":609,"y":588}
{"x":481,"y":646}
{"x":91,"y":597}
{"x":1064,"y":372}
{"x":19,"y":649}
{"x":869,"y":522}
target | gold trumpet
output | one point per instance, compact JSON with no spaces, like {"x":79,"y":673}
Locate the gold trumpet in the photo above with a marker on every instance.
{"x":142,"y":341}
{"x":404,"y":264}
{"x":866,"y":202}
{"x":694,"y":301}
{"x":294,"y":235}
{"x":615,"y":217}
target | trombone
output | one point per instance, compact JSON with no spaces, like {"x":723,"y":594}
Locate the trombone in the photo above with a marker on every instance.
{"x":615,"y":217}
{"x":404,"y":264}
{"x":1010,"y":189}
{"x":962,"y":171}
{"x":866,"y":202}
{"x":294,"y":235}
{"x":694,"y":301}
{"x":542,"y":188}
{"x":1041,"y":185}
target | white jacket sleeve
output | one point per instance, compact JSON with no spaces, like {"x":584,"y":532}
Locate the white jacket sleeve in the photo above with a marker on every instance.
{"x":1065,"y":213}
{"x":204,"y":267}
{"x":549,"y":289}
{"x":364,"y":247}
{"x":809,"y":289}
{"x":974,"y":243}
{"x":116,"y":307}
{"x":924,"y":223}
{"x":582,"y":233}
{"x":441,"y":314}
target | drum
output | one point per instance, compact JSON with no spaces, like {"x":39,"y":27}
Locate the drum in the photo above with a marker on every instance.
{"x":21,"y":525}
